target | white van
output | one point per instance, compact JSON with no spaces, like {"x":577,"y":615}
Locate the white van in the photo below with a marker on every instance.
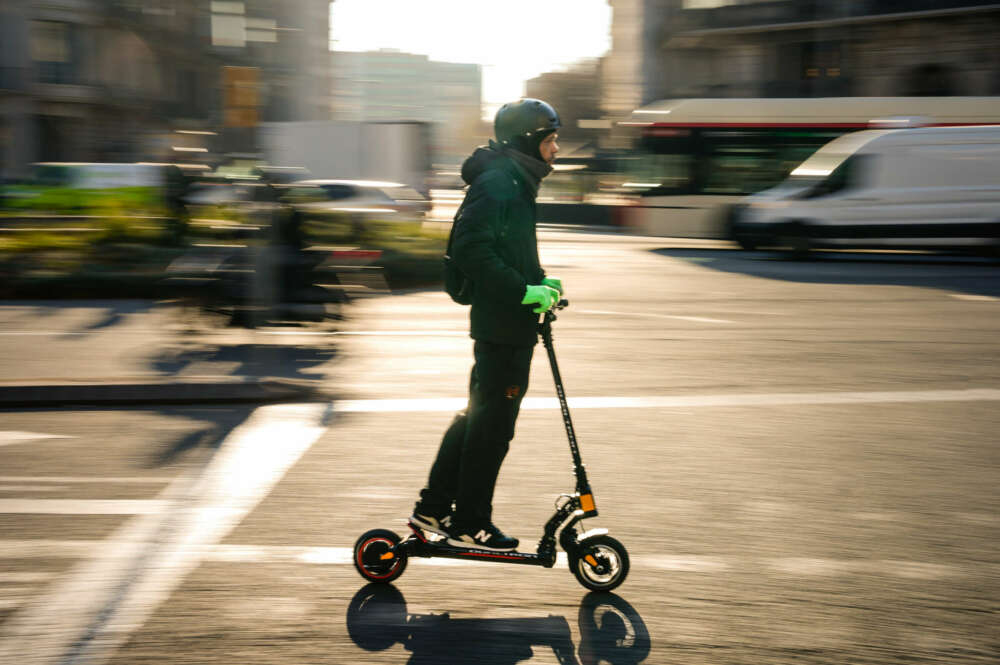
{"x":925,"y":188}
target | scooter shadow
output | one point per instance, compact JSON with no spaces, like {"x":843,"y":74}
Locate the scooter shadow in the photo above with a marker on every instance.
{"x":611,"y":631}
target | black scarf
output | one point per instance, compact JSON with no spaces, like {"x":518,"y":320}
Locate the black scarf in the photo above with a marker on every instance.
{"x":531,"y":169}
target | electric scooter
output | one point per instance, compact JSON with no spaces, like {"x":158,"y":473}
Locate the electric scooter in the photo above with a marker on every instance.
{"x":599,"y":562}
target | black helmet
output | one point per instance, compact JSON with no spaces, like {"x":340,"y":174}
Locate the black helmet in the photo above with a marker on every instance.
{"x":524,"y":118}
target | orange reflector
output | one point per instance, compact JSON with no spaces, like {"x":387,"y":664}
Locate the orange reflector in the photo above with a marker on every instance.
{"x":587,"y":502}
{"x":591,"y":560}
{"x":387,"y":555}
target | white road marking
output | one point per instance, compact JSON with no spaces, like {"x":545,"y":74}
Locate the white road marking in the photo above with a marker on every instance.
{"x":917,"y":570}
{"x":681,"y":563}
{"x":373,"y":495}
{"x":25,"y":578}
{"x":40,"y":332}
{"x":383,"y":405}
{"x":110,"y":480}
{"x":93,"y":610}
{"x":811,"y":566}
{"x":42,"y":547}
{"x":968,"y":296}
{"x":82,"y":506}
{"x":684,"y":564}
{"x":821,"y":567}
{"x":8,"y":437}
{"x":680,"y":401}
{"x":650,"y":315}
{"x":699,"y":319}
{"x":404,"y":333}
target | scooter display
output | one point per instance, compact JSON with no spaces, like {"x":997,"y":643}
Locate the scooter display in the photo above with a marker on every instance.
{"x":598,"y":561}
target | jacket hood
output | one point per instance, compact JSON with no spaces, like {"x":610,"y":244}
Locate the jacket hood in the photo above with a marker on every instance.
{"x":485,"y":157}
{"x":481,"y":159}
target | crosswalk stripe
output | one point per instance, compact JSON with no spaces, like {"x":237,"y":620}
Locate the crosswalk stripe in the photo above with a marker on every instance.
{"x":10,"y":437}
{"x":82,"y":506}
{"x":679,"y":563}
{"x":680,"y":401}
{"x":109,"y":595}
{"x":24,"y":577}
{"x":86,"y":479}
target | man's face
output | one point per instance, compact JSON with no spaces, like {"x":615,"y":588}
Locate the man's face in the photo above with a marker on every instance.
{"x":549,"y":148}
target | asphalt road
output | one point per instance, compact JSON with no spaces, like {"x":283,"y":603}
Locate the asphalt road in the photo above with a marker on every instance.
{"x":800,"y":457}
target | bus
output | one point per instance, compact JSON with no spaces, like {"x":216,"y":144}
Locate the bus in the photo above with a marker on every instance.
{"x":696,"y":158}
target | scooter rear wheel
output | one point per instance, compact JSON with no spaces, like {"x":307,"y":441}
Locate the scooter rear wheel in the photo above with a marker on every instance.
{"x":374,"y":557}
{"x":600,"y":563}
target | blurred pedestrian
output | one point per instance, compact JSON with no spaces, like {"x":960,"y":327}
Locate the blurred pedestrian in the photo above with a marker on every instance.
{"x":495,"y":246}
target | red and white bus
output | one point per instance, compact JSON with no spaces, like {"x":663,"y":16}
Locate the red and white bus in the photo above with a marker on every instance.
{"x":696,"y":157}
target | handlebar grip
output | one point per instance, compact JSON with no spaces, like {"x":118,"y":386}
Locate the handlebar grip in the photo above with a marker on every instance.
{"x":562,"y":304}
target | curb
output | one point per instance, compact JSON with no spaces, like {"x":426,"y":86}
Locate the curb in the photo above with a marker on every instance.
{"x":172,"y":392}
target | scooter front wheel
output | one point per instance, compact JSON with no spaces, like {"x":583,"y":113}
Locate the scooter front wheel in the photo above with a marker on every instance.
{"x":600,"y":563}
{"x":375,"y":558}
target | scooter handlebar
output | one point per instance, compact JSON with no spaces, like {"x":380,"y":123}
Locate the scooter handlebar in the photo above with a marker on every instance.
{"x":550,"y":315}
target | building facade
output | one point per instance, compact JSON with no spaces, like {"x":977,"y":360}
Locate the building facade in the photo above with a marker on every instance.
{"x":389,"y":85}
{"x":663,"y":49}
{"x":116,"y":80}
{"x":825,"y":48}
{"x":576,"y":94}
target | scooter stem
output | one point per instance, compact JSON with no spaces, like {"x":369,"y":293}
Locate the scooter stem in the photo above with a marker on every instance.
{"x":545,"y":330}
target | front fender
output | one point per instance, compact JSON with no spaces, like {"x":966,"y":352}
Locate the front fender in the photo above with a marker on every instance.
{"x":592,"y":532}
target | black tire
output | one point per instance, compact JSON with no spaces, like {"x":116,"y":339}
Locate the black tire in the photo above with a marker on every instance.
{"x":731,"y":227}
{"x":794,"y":236}
{"x":368,"y":553}
{"x":611,"y":561}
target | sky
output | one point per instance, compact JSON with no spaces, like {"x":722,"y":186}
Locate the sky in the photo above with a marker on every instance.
{"x":514,"y":40}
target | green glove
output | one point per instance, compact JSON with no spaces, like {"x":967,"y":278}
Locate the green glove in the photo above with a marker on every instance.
{"x":555,"y":283}
{"x":544,"y":296}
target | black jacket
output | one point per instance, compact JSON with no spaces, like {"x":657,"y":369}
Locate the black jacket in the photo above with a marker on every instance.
{"x":495,"y":245}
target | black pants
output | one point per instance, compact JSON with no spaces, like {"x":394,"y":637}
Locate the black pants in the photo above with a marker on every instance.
{"x":474,"y":446}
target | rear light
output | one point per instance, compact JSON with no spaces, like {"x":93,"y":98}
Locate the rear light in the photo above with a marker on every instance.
{"x":356,"y":254}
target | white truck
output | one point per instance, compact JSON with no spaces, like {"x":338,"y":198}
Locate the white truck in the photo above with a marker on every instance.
{"x":343,"y":150}
{"x":926,"y":188}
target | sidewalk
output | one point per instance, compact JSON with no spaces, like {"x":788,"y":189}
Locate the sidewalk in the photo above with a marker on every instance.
{"x":131,"y":352}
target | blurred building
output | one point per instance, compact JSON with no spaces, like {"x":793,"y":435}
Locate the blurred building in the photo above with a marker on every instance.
{"x":800,"y":48}
{"x":632,"y":67}
{"x":114,"y":80}
{"x":288,"y":41}
{"x":576,"y":94}
{"x":389,"y":85}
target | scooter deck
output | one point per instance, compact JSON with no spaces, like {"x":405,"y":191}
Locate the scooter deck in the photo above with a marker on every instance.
{"x":418,"y":544}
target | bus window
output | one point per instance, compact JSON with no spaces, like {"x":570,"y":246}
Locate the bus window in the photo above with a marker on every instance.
{"x":748,"y":161}
{"x":660,"y":171}
{"x":738,"y":170}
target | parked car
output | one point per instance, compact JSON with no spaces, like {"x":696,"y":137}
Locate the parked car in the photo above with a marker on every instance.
{"x":924,"y":188}
{"x":370,"y":198}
